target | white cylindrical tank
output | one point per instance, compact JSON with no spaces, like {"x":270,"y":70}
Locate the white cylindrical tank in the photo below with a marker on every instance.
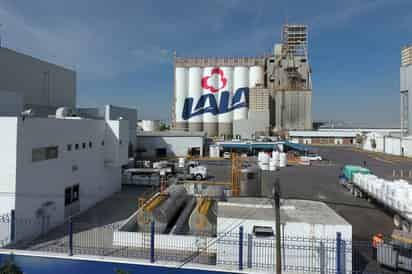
{"x":211,"y":82}
{"x":182,"y":162}
{"x":255,"y":76}
{"x":181,"y":92}
{"x":225,"y":119}
{"x":214,"y":151}
{"x":150,"y":125}
{"x":283,"y":161}
{"x":240,"y":80}
{"x":194,"y":91}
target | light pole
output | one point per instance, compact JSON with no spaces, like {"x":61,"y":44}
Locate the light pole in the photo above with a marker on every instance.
{"x":0,"y":34}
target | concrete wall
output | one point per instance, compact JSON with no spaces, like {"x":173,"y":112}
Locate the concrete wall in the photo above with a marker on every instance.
{"x":293,"y":110}
{"x":39,"y":82}
{"x":11,"y":104}
{"x":130,"y":114}
{"x":176,"y":146}
{"x":40,"y":185}
{"x":110,"y":112}
{"x":389,"y":144}
{"x":258,"y":122}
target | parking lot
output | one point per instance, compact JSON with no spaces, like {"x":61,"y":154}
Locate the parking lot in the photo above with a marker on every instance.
{"x":320,"y":182}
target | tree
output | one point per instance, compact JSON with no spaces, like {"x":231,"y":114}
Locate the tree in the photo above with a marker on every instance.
{"x":10,"y":268}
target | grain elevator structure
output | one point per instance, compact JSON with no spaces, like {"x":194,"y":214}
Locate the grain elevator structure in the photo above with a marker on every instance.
{"x":245,"y":97}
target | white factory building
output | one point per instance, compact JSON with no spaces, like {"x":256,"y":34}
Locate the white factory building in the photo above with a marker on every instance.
{"x":56,"y":160}
{"x":159,"y":144}
{"x":29,"y":83}
{"x":52,"y":168}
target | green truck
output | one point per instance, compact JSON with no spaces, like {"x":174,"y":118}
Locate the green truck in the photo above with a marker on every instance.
{"x":348,"y":171}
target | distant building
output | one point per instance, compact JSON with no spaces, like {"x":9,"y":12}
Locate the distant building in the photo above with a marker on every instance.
{"x":406,"y":89}
{"x":323,"y":137}
{"x":34,"y":84}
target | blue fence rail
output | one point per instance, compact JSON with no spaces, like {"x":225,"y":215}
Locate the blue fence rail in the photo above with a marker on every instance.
{"x":235,"y":249}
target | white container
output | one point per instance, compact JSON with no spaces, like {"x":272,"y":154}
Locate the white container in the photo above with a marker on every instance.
{"x":182,"y":162}
{"x":283,"y":161}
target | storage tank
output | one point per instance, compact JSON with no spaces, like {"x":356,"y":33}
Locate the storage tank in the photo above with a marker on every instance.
{"x":225,"y":126}
{"x":161,"y":209}
{"x":250,"y":182}
{"x":181,"y":92}
{"x":240,"y":80}
{"x":194,"y":91}
{"x":214,"y":151}
{"x":256,"y":76}
{"x":203,"y":219}
{"x":211,"y":83}
{"x":150,"y":125}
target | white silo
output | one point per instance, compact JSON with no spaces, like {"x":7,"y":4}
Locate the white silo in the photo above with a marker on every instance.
{"x":256,"y":76}
{"x":195,"y":90}
{"x":211,"y":82}
{"x":225,"y":119}
{"x":240,"y":80}
{"x":181,"y":92}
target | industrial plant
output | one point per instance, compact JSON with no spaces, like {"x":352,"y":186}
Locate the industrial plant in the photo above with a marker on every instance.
{"x":240,"y":181}
{"x":244,"y":96}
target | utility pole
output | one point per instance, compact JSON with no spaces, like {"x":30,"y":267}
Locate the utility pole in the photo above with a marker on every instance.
{"x":276,"y":198}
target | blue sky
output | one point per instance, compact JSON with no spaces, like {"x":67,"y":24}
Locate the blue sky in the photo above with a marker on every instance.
{"x":122,"y":50}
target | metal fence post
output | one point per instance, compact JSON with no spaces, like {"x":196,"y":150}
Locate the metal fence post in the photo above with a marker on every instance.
{"x":249,"y":250}
{"x":241,"y":248}
{"x":12,"y":226}
{"x":70,"y":236}
{"x":152,"y":242}
{"x":338,"y":252}
{"x":322,"y":257}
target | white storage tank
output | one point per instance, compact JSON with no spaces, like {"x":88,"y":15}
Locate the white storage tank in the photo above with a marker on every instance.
{"x":181,"y":88}
{"x":211,"y":83}
{"x":255,"y":76}
{"x":240,"y":80}
{"x":195,"y":89}
{"x":225,"y":126}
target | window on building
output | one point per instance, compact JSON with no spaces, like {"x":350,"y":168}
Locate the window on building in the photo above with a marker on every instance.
{"x":69,"y":147}
{"x":83,"y":145}
{"x":67,"y":196}
{"x":90,"y":144}
{"x":120,"y":141}
{"x":75,"y":168}
{"x":45,"y":153}
{"x":52,"y":152}
{"x":102,"y":143}
{"x":263,"y":231}
{"x":76,"y":192}
{"x":76,"y":146}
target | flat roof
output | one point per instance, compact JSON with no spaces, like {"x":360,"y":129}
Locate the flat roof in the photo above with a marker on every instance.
{"x":323,"y":133}
{"x":168,"y":133}
{"x":296,"y":211}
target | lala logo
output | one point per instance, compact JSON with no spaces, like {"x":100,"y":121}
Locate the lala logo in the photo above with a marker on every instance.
{"x":216,"y":82}
{"x":221,"y":80}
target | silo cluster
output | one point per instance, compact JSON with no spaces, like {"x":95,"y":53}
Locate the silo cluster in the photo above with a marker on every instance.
{"x":214,"y":96}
